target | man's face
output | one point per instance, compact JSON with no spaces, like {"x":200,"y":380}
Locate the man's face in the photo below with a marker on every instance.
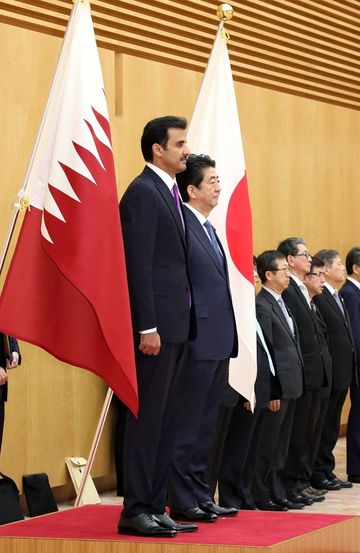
{"x":256,"y":276}
{"x":336,"y":273}
{"x":315,"y":280}
{"x":172,"y":158}
{"x":301,"y":262}
{"x":279,"y":278}
{"x":206,"y":197}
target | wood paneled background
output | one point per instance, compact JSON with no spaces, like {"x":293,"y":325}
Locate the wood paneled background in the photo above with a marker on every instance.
{"x":296,"y":68}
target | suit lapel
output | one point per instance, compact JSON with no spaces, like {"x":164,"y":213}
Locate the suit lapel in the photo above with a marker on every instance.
{"x":277,"y":310}
{"x":332,"y":302}
{"x":196,"y":228}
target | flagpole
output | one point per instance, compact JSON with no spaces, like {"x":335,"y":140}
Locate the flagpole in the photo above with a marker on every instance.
{"x":94,"y":446}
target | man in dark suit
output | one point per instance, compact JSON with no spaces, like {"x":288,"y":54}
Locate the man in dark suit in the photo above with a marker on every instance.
{"x":342,"y":350}
{"x":9,"y":359}
{"x":298,"y":465}
{"x":206,"y":367}
{"x":155,"y":251}
{"x":281,"y":333}
{"x":244,"y":432}
{"x":350,"y":293}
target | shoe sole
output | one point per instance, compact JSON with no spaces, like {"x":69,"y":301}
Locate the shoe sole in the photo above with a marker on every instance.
{"x":132,"y":532}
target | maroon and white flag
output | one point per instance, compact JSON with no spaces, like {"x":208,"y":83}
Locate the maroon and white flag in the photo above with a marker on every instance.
{"x":215,"y":130}
{"x":66,"y":288}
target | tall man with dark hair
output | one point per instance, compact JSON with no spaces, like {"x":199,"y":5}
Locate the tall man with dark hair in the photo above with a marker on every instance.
{"x":155,"y":250}
{"x":342,"y":350}
{"x":281,"y":333}
{"x":350,"y":292}
{"x":206,"y":367}
{"x":298,"y":466}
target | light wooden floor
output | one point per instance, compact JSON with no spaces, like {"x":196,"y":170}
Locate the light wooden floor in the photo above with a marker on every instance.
{"x":344,"y":501}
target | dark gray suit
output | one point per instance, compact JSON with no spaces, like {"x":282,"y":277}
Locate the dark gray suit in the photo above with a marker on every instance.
{"x":206,"y":368}
{"x":273,"y":449}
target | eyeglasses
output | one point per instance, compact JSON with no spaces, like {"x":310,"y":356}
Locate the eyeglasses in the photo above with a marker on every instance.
{"x":304,"y":254}
{"x":281,"y":269}
{"x":319,"y":275}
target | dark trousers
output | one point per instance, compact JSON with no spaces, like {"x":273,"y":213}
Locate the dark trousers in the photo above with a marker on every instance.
{"x":273,"y":449}
{"x":325,"y":460}
{"x":239,"y":459}
{"x":2,"y":420}
{"x":309,"y":416}
{"x":148,"y":440}
{"x":353,"y":434}
{"x":201,"y":393}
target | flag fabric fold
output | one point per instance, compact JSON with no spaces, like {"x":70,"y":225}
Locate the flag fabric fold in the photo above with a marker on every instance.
{"x":66,"y":288}
{"x":215,"y":130}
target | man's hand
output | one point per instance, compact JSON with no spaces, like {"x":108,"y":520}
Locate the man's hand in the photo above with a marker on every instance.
{"x":150,"y":343}
{"x":247,"y":405}
{"x":274,"y":405}
{"x":3,"y":376}
{"x":14,"y":360}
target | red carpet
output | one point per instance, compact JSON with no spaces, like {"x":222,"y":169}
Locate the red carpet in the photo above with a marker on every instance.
{"x":98,"y":522}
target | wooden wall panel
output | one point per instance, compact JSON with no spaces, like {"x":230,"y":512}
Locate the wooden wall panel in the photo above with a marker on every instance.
{"x":302,"y":47}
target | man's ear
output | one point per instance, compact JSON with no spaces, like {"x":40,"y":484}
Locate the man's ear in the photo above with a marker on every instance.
{"x":191,"y":190}
{"x":157,"y":150}
{"x":290,"y":260}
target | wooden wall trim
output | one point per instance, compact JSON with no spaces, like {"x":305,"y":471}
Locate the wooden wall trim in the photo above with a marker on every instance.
{"x":302,"y":47}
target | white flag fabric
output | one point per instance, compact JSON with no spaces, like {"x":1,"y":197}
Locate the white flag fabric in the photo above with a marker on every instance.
{"x":215,"y":130}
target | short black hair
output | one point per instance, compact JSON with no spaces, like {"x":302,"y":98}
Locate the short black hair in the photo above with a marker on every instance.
{"x":352,"y":258}
{"x":316,"y":263}
{"x":194,"y":173}
{"x":156,"y":132}
{"x":327,"y":256}
{"x":290,"y":246}
{"x":267,"y":261}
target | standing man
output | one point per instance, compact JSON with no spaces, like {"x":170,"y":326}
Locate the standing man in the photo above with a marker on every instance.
{"x":206,"y":367}
{"x":280,"y":331}
{"x":350,"y":292}
{"x":342,"y":350}
{"x":297,"y":299}
{"x":155,"y":250}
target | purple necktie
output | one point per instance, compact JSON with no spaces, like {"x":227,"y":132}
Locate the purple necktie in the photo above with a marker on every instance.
{"x":176,"y":195}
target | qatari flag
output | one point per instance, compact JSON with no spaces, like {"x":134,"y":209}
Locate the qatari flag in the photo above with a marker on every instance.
{"x":66,"y":289}
{"x":215,"y":130}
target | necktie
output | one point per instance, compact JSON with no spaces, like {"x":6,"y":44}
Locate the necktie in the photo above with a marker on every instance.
{"x":264,"y":344}
{"x":286,"y":315}
{"x":305,"y":292}
{"x":211,"y":232}
{"x":175,"y":193}
{"x":339,"y":302}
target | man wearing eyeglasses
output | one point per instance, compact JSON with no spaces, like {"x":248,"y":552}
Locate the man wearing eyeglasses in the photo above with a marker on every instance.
{"x":281,"y":333}
{"x":298,"y":467}
{"x":342,"y":350}
{"x":350,"y":292}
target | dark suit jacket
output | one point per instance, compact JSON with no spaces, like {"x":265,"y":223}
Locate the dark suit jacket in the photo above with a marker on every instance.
{"x":267,"y":385}
{"x":285,"y":347}
{"x":155,"y":251}
{"x":314,"y":368}
{"x":351,"y":296}
{"x":215,"y":321}
{"x":341,"y":345}
{"x":12,"y":345}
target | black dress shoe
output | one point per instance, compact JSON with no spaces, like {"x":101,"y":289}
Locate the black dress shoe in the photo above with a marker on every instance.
{"x":326,"y":485}
{"x":167,"y":522}
{"x":194,"y":514}
{"x":289,"y":504}
{"x":342,"y":483}
{"x":299,"y":498}
{"x":270,"y":506}
{"x":210,"y":507}
{"x":315,"y":496}
{"x":312,"y":491}
{"x":143,"y":525}
{"x":354,"y":478}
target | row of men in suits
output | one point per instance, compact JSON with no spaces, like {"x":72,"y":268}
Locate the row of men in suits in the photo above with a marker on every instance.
{"x":309,"y":339}
{"x":184,"y":332}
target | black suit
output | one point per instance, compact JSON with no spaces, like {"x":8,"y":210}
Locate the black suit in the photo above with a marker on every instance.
{"x":205,"y":371}
{"x":7,"y":346}
{"x":155,"y":252}
{"x":351,"y":295}
{"x":274,"y":444}
{"x":342,"y":350}
{"x":309,"y":416}
{"x":239,"y":458}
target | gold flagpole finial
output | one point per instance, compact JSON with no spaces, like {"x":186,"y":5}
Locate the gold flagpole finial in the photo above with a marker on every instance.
{"x":225,"y":12}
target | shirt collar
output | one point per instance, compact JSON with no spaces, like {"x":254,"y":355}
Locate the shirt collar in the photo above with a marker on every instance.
{"x":165,"y":177}
{"x":274,"y":294}
{"x":201,"y":218}
{"x":331,"y":289}
{"x":354,"y":282}
{"x":296,"y":279}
